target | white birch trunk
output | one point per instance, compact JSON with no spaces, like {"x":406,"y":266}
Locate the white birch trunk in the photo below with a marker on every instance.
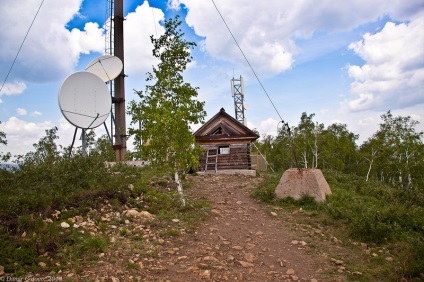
{"x":180,"y":188}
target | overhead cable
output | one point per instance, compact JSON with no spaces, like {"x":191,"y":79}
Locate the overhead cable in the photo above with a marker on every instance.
{"x":238,"y":45}
{"x":23,"y":41}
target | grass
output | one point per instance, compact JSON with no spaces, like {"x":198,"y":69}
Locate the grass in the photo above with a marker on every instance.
{"x":369,"y":212}
{"x":30,"y":230}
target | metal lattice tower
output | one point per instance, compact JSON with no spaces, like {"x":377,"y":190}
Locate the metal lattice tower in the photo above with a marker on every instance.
{"x":237,"y":91}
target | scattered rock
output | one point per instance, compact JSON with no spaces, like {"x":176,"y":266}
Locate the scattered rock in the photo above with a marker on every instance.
{"x":205,"y":274}
{"x":42,"y":264}
{"x":131,"y":187}
{"x":374,"y":255}
{"x":216,"y":212}
{"x":65,"y":225}
{"x":246,"y":264}
{"x":294,"y":277}
{"x":175,"y":220}
{"x":239,"y":248}
{"x":239,"y":202}
{"x":133,"y":213}
{"x":356,"y":273}
{"x":290,"y":271}
{"x":294,"y":242}
{"x":1,"y":270}
{"x":23,"y":235}
{"x":114,"y":279}
{"x":273,"y":214}
{"x":336,"y":261}
{"x":250,"y":257}
{"x":314,"y":280}
{"x":389,"y":259}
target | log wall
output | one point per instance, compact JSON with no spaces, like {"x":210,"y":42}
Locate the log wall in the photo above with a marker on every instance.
{"x":238,"y":158}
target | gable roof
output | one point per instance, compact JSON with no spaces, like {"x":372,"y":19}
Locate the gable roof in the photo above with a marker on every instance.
{"x":222,"y":126}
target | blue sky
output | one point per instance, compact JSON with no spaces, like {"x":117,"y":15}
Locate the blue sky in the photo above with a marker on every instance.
{"x":346,"y":62}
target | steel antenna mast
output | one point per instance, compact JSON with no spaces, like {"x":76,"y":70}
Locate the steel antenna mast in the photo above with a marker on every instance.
{"x":115,"y":46}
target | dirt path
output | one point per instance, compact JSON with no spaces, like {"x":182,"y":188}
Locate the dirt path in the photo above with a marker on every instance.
{"x":242,"y":241}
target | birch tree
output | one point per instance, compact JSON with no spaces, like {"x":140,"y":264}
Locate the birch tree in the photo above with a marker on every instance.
{"x":162,"y":118}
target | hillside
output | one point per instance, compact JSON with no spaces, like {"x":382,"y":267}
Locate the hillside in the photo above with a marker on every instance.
{"x":235,"y":237}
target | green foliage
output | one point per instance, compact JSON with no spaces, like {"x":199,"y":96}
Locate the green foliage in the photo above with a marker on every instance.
{"x":395,"y":153}
{"x":168,"y":107}
{"x":3,"y":141}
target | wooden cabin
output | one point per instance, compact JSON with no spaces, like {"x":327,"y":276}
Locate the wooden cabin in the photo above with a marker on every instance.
{"x":226,"y":142}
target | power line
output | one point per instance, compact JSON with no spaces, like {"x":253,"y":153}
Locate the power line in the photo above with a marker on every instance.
{"x":285,"y":124}
{"x":23,"y":41}
{"x":235,"y":40}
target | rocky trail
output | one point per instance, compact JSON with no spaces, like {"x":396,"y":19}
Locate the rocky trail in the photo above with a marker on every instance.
{"x":242,"y":240}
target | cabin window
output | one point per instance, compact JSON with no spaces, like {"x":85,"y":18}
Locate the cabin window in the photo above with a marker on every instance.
{"x":224,"y":150}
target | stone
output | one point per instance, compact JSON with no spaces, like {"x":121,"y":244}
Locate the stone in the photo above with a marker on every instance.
{"x":114,"y":279}
{"x":205,"y":274}
{"x":389,"y":259}
{"x":133,"y":213}
{"x":1,"y":270}
{"x":294,"y":242}
{"x":42,"y":264}
{"x":250,"y":257}
{"x":290,"y":271}
{"x":65,"y":225}
{"x":336,"y":261}
{"x":273,"y":214}
{"x":131,"y":187}
{"x":356,"y":273}
{"x":176,"y":220}
{"x":146,"y":214}
{"x":297,"y":183}
{"x":246,"y":264}
{"x":239,"y":248}
{"x":314,"y":280}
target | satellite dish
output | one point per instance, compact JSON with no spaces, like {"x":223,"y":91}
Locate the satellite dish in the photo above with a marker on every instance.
{"x":106,"y":67}
{"x":84,"y":100}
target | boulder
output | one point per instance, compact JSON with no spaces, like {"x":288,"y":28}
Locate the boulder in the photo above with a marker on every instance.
{"x":297,"y":183}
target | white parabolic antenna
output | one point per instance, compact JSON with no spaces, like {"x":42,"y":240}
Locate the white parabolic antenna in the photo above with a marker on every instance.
{"x":106,"y":67}
{"x":84,"y":100}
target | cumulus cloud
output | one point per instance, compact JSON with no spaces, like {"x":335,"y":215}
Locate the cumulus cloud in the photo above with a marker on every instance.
{"x":268,"y":126}
{"x":21,"y":112}
{"x":21,"y":135}
{"x":393,"y":73}
{"x":267,"y":30}
{"x":50,"y":51}
{"x":139,"y":26}
{"x":12,"y":89}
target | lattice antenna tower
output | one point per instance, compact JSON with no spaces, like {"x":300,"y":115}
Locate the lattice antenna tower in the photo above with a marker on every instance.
{"x":237,"y":91}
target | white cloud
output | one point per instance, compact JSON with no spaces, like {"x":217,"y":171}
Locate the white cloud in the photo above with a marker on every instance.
{"x":21,"y":112}
{"x":36,"y":113}
{"x":267,"y":30}
{"x":139,"y":26}
{"x":50,"y":50}
{"x":12,"y":89}
{"x":21,"y":135}
{"x":268,"y":127}
{"x":393,"y":74}
{"x":89,"y":40}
